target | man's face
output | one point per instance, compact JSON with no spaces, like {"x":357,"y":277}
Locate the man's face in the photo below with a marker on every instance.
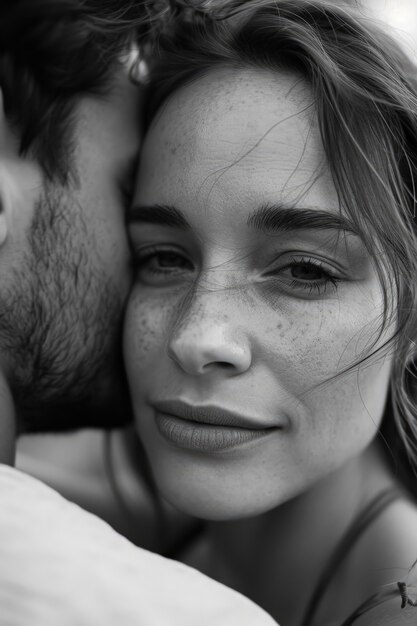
{"x":64,"y":294}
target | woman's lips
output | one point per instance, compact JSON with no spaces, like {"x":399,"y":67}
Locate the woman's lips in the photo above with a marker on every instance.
{"x":208,"y":428}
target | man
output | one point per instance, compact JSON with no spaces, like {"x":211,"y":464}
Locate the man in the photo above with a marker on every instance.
{"x":69,"y":129}
{"x":68,"y":138}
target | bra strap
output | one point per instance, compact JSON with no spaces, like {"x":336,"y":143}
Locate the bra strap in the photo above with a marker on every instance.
{"x":364,"y":518}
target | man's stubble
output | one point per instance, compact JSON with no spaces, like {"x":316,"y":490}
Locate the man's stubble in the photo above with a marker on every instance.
{"x":60,"y":324}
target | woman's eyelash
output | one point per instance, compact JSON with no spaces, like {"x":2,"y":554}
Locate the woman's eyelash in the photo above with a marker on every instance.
{"x":299,"y":274}
{"x":318,"y":285}
{"x":151,"y":260}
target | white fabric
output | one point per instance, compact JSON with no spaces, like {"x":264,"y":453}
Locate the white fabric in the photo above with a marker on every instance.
{"x":62,"y":566}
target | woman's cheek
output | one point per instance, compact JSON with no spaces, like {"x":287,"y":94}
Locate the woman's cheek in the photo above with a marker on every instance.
{"x":146,"y":325}
{"x":341,"y":338}
{"x":347,"y":329}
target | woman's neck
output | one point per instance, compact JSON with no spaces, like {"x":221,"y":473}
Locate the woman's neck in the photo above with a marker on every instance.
{"x":276,"y":558}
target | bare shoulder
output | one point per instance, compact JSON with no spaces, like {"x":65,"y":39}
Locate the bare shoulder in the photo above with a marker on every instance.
{"x":396,"y":560}
{"x":388,"y":613}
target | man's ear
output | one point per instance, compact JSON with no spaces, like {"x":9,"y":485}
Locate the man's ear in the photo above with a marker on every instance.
{"x":19,"y":182}
{"x":4,"y":184}
{"x":4,"y":221}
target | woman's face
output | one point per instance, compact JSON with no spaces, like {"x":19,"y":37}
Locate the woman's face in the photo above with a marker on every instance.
{"x":250,"y":291}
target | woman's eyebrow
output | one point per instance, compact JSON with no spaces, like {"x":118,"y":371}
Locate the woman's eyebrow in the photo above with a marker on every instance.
{"x":270,"y":218}
{"x":162,"y":215}
{"x":280,"y":217}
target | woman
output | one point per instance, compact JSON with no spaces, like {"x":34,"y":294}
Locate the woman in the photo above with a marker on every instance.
{"x":270,"y":335}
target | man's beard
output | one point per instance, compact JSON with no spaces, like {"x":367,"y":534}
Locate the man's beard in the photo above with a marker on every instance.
{"x":60,"y":325}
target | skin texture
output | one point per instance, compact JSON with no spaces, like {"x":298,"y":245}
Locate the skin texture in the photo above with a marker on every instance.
{"x":65,"y":269}
{"x":223,"y":314}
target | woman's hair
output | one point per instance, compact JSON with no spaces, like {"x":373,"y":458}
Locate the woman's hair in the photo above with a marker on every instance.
{"x":365,"y":94}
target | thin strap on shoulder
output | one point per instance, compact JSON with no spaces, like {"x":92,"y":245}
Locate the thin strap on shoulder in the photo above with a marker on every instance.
{"x":386,"y":593}
{"x":365,"y":517}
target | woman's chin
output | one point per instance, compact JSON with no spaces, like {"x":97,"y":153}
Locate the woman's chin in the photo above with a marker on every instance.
{"x":212,"y":499}
{"x":219,"y":487}
{"x":211,"y":509}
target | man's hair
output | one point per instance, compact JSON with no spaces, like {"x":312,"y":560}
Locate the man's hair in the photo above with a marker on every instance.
{"x":365,"y":94}
{"x":52,"y":52}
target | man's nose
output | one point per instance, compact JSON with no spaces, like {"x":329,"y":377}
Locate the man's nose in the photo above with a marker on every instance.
{"x":210,"y":337}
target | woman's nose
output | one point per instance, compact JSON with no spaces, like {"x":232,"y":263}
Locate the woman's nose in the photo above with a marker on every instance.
{"x":206,"y":341}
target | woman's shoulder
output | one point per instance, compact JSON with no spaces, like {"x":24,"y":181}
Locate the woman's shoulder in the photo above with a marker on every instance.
{"x":396,"y":560}
{"x":395,"y":604}
{"x":389,"y":612}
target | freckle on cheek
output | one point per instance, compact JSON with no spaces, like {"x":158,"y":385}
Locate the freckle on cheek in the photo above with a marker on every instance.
{"x":147,"y":323}
{"x":144,"y":336}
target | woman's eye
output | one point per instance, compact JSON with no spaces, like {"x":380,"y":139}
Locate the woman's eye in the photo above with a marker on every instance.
{"x":161,"y":266}
{"x":306,"y":271}
{"x":306,"y":275}
{"x":167,"y":260}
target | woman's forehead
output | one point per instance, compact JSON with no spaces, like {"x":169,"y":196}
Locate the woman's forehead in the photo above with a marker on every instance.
{"x":237,"y":103}
{"x":242,"y":132}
